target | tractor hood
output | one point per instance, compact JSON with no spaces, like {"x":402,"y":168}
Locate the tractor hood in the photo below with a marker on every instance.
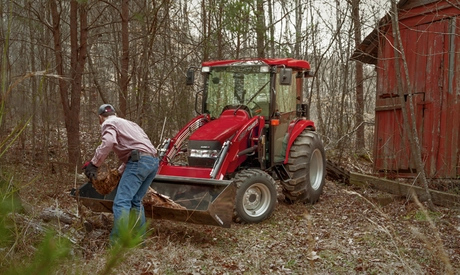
{"x":223,"y":128}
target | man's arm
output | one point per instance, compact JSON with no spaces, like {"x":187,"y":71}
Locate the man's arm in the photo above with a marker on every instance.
{"x":109,"y":139}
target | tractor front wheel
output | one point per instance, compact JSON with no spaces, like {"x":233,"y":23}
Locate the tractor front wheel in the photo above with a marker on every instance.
{"x":307,"y":168}
{"x":255,"y":196}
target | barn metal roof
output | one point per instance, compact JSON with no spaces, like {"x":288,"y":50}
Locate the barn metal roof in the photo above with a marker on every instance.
{"x":368,"y":49}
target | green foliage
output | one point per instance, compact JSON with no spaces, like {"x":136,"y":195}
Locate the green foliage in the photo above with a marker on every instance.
{"x":52,"y":251}
{"x":130,"y":235}
{"x":139,"y":17}
{"x":422,"y":216}
{"x":291,"y":263}
{"x":236,"y":17}
{"x":13,"y":136}
{"x":8,"y":204}
{"x":425,"y":216}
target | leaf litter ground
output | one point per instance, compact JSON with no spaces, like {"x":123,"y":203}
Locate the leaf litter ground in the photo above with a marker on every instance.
{"x":349,"y":231}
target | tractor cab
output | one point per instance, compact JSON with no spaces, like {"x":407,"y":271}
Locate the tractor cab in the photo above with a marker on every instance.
{"x":269,"y":88}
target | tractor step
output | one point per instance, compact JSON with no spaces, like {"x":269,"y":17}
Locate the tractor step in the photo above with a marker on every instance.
{"x":281,"y":172}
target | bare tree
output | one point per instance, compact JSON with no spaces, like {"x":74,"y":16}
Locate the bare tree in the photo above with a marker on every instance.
{"x":402,"y":72}
{"x":359,"y":78}
{"x":205,"y":26}
{"x":271,"y":28}
{"x":298,"y":27}
{"x":124,"y":77}
{"x":260,"y":28}
{"x":71,"y":88}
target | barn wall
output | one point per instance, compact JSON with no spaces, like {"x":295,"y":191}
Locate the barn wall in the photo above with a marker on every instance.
{"x":432,"y":49}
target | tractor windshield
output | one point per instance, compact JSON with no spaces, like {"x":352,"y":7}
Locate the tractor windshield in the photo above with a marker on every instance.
{"x":238,"y":85}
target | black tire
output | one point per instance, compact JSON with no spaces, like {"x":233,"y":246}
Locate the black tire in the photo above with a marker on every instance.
{"x":256,"y":196}
{"x":307,"y":168}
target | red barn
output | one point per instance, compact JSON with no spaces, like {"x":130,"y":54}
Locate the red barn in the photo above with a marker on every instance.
{"x":430,"y":34}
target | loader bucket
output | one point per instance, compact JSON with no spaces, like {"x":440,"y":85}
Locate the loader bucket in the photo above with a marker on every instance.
{"x":203,"y":201}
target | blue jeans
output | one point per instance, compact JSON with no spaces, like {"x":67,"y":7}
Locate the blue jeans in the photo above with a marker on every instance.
{"x":131,"y":189}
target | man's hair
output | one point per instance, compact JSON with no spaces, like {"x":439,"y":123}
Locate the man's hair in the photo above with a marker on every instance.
{"x":106,"y":110}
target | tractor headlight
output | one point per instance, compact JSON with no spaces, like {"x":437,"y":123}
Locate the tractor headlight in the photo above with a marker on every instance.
{"x":197,"y":153}
{"x":203,"y":153}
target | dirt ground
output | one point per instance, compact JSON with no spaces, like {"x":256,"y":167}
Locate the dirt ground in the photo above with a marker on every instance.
{"x":349,"y":231}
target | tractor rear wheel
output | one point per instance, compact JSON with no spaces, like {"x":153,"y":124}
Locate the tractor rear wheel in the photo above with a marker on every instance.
{"x":307,"y":168}
{"x":255,"y":196}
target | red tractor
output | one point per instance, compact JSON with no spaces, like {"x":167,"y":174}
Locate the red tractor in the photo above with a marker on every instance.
{"x":252,"y":129}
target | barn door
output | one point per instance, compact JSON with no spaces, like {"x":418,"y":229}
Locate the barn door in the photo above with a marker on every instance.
{"x":392,"y":148}
{"x":425,"y":49}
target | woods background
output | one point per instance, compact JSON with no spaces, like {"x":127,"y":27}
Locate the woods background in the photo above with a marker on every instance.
{"x":62,"y":59}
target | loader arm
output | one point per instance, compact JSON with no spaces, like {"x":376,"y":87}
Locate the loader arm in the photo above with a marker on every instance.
{"x":177,"y":142}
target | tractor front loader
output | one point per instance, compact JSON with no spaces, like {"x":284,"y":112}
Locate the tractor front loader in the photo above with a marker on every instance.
{"x":252,"y":129}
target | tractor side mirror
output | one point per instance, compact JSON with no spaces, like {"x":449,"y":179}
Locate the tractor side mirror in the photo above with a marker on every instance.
{"x":190,"y":76}
{"x":309,"y":74}
{"x":285,"y":76}
{"x":198,"y":100}
{"x":302,"y":110}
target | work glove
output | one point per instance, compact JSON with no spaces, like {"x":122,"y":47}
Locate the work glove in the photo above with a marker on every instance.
{"x":90,"y":170}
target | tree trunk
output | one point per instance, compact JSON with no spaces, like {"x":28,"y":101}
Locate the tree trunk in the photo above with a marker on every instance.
{"x":70,"y":94}
{"x":359,"y":120}
{"x":298,"y":28}
{"x":219,"y":34}
{"x":34,"y":88}
{"x":409,"y":126}
{"x":204,"y":31}
{"x":260,"y":29}
{"x":271,"y":28}
{"x":124,"y":78}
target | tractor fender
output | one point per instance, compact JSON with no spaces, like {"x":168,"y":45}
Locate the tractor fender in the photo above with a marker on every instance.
{"x":295,"y":128}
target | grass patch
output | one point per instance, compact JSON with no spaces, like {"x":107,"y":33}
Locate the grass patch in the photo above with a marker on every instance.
{"x":422,"y":215}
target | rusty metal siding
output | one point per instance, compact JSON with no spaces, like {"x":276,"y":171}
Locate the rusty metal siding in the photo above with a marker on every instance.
{"x":432,"y":49}
{"x":448,"y":154}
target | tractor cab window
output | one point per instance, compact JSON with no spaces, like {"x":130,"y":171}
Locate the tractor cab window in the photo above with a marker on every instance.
{"x":234,"y":86}
{"x":286,"y":96}
{"x":286,"y":105}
